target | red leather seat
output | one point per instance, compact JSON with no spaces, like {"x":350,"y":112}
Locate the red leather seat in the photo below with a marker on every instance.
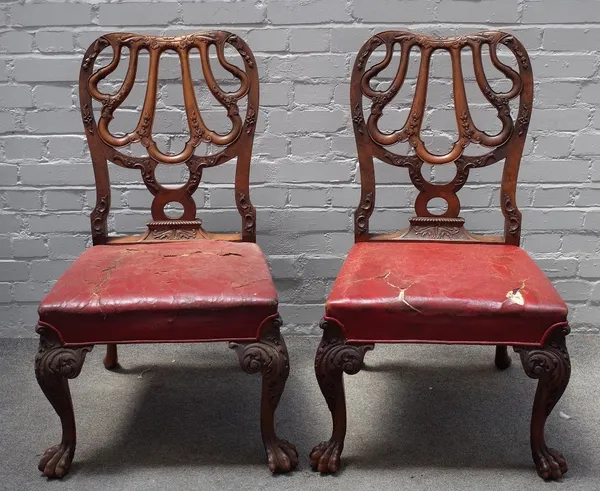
{"x":443,"y":293}
{"x":176,"y":291}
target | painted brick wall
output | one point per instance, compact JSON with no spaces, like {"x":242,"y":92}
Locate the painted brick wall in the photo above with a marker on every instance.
{"x":305,"y":170}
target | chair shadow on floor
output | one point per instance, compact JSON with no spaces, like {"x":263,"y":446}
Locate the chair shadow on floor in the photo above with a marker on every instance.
{"x":184,"y":415}
{"x":463,"y":416}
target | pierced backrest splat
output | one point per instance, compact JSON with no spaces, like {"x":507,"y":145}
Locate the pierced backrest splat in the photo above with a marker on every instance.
{"x":507,"y":144}
{"x":237,"y":141}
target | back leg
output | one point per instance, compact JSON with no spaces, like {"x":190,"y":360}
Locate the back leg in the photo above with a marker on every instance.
{"x":111,"y":360}
{"x":502,"y":359}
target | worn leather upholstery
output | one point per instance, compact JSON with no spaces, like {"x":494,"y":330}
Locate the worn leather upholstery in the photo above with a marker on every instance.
{"x":443,"y":292}
{"x":178,"y":291}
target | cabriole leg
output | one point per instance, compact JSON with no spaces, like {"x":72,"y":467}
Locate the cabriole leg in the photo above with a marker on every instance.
{"x":333,"y":358}
{"x":54,"y":365}
{"x":552,"y":367}
{"x":269,"y":356}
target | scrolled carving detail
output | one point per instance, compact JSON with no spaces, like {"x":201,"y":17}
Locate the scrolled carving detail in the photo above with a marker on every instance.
{"x":521,"y":56}
{"x":99,"y":215}
{"x":512,"y":214}
{"x":235,"y":41}
{"x":53,"y":360}
{"x":249,"y":214}
{"x":497,"y":100}
{"x":437,"y":228}
{"x":173,"y":234}
{"x":523,"y":121}
{"x":88,"y":119}
{"x":147,"y":171}
{"x":267,"y":356}
{"x":250,"y":120}
{"x":551,"y":363}
{"x":175,"y":230}
{"x":363,"y":212}
{"x":198,"y":133}
{"x":99,"y":45}
{"x":358,"y":118}
{"x":335,"y":356}
{"x":373,"y":44}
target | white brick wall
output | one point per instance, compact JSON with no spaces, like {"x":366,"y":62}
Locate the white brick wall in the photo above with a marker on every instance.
{"x":304,"y":175}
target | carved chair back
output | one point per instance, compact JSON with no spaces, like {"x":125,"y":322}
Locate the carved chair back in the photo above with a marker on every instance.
{"x":507,"y":144}
{"x":104,"y":145}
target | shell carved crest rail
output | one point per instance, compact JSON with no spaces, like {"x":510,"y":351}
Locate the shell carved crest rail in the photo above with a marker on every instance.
{"x":506,"y":145}
{"x":104,"y":145}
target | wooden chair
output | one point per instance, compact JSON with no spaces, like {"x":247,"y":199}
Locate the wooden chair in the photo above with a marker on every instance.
{"x":435,"y":282}
{"x":176,"y":282}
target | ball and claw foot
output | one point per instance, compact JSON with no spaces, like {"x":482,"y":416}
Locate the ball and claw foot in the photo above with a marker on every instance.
{"x":550,"y":463}
{"x":325,"y":457}
{"x":281,"y":456}
{"x":56,"y":461}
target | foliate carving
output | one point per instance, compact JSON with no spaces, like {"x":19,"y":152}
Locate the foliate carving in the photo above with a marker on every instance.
{"x":181,"y":44}
{"x":465,"y":164}
{"x":413,"y":124}
{"x":99,"y":215}
{"x":462,"y":174}
{"x":198,"y":133}
{"x":54,"y":365}
{"x":467,"y":129}
{"x":444,"y":42}
{"x":147,"y":170}
{"x":502,"y":142}
{"x":333,"y":357}
{"x":513,"y":215}
{"x":88,"y":119}
{"x":437,"y":228}
{"x":248,"y":212}
{"x":54,"y":360}
{"x":175,"y":230}
{"x":364,"y":211}
{"x":173,"y":234}
{"x":99,"y":45}
{"x":357,"y":117}
{"x":267,"y":356}
{"x":250,"y":120}
{"x":108,"y":108}
{"x":213,"y":160}
{"x":497,"y":100}
{"x":373,"y":44}
{"x":235,"y":41}
{"x":194,"y":179}
{"x":226,"y":100}
{"x":551,"y":362}
{"x":523,"y":121}
{"x":167,"y":42}
{"x":144,"y":131}
{"x":414,"y":172}
{"x":382,"y":100}
{"x":146,"y":167}
{"x":509,"y":40}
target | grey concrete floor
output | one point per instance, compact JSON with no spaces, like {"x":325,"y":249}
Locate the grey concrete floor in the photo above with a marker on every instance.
{"x":185,"y":417}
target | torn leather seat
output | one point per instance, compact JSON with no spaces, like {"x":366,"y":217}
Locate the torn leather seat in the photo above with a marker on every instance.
{"x":177,"y":291}
{"x":435,"y":292}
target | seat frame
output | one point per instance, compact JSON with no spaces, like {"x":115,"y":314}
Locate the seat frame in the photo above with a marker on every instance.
{"x":549,"y":362}
{"x":56,"y":363}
